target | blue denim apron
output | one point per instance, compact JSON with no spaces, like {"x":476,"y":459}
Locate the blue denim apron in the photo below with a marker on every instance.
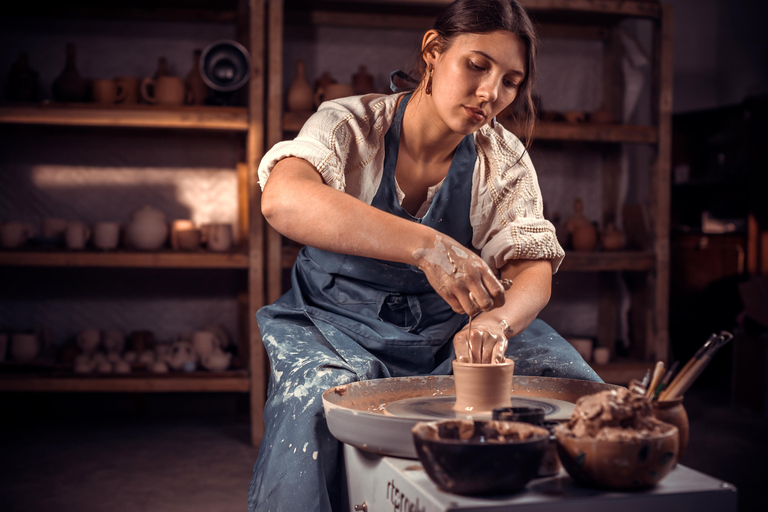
{"x":349,"y":318}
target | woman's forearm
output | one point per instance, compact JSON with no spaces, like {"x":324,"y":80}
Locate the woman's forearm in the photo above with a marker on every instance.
{"x":529,"y":294}
{"x":300,"y":206}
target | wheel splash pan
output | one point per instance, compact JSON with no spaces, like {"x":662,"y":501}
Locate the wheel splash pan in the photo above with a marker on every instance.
{"x":355,"y":412}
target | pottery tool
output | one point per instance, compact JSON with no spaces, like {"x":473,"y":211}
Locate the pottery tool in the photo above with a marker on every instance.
{"x":507,"y":284}
{"x":658,"y":373}
{"x":665,"y":380}
{"x":695,"y":366}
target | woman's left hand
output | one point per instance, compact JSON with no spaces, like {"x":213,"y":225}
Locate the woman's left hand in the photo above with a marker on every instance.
{"x":485,"y":343}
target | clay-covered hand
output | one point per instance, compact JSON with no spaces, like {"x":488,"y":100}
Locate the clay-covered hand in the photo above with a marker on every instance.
{"x":460,"y":276}
{"x":481,"y":342}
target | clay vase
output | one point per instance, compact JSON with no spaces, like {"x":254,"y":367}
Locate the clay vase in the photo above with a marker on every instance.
{"x":613,"y":239}
{"x":196,"y":89}
{"x":582,"y":232}
{"x":148,"y":229}
{"x":300,"y":97}
{"x":362,"y":81}
{"x":69,"y":85}
{"x":23,"y":82}
{"x":673,"y":412}
{"x":481,"y":388}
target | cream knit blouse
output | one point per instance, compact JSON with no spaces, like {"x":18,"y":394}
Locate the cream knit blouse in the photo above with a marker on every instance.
{"x":344,"y":141}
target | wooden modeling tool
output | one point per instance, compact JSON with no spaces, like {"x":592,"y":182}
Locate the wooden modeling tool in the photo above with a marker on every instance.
{"x":695,"y":366}
{"x":658,"y":373}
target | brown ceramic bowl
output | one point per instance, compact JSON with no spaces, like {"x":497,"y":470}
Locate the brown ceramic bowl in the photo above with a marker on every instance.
{"x":480,"y":457}
{"x":631,"y":464}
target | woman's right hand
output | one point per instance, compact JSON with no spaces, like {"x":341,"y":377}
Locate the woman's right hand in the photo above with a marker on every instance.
{"x":460,"y":276}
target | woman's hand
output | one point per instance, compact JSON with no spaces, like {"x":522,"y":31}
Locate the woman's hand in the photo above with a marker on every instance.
{"x":460,"y":276}
{"x":481,"y":342}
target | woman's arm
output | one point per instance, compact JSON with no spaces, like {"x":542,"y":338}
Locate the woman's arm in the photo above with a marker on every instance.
{"x":530,"y":292}
{"x":299,"y":205}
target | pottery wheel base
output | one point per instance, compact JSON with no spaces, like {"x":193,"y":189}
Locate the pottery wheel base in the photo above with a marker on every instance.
{"x":441,"y":407}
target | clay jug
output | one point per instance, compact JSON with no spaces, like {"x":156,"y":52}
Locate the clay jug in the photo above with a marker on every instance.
{"x":673,"y":412}
{"x":582,"y":232}
{"x":69,"y":85}
{"x":300,"y":97}
{"x":197,"y":91}
{"x":148,"y":229}
{"x":613,"y":239}
{"x":362,"y":81}
{"x":23,"y":83}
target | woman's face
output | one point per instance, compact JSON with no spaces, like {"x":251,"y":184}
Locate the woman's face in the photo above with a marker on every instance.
{"x":476,"y":77}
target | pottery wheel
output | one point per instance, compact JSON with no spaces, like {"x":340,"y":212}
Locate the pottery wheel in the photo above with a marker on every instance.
{"x":441,"y":407}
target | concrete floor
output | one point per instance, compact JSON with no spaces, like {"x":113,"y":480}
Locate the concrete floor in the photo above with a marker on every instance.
{"x":169,"y":453}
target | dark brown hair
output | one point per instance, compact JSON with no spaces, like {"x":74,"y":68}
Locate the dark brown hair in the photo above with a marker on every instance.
{"x":481,"y":17}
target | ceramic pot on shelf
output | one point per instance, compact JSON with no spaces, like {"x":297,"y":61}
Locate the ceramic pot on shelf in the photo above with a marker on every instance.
{"x":217,"y":361}
{"x":181,"y":353}
{"x":148,"y":229}
{"x":583,"y":233}
{"x":362,"y":81}
{"x":613,"y":239}
{"x":196,"y":89}
{"x":332,"y":92}
{"x":69,"y":85}
{"x":300,"y":97}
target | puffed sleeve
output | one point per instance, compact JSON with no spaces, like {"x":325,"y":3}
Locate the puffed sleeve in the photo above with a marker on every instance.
{"x":507,"y":208}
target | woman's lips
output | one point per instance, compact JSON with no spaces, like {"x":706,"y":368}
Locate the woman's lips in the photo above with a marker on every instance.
{"x":475,"y":114}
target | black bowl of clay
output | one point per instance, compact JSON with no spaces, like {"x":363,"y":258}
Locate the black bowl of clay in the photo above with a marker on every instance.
{"x":480,"y":458}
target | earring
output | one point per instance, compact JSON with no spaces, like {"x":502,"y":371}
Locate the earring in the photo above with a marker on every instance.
{"x":428,"y":89}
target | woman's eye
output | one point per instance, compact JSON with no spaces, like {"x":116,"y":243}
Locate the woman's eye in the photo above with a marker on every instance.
{"x":510,"y":84}
{"x":475,"y":66}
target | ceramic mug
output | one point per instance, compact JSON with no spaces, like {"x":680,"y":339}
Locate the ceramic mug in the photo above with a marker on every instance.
{"x":189,"y":239}
{"x":205,"y":342}
{"x":107,"y":92}
{"x":77,"y":235}
{"x":24,"y":347}
{"x":218,"y":237}
{"x":166,"y":90}
{"x":130,"y":88}
{"x":54,"y":228}
{"x":15,"y":234}
{"x":106,"y":235}
{"x":176,"y":226}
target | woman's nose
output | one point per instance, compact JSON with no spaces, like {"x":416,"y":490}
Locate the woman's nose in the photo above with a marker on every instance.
{"x":489,"y":90}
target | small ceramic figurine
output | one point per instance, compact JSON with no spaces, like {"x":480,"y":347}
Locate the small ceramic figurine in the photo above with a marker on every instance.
{"x":181,"y":352}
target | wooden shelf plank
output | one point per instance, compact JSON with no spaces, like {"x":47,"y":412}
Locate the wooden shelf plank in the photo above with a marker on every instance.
{"x":229,"y":381}
{"x":586,"y":132}
{"x":167,"y":259}
{"x":608,"y":261}
{"x":134,"y":116}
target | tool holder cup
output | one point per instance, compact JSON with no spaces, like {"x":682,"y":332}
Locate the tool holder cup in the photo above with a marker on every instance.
{"x":673,"y":412}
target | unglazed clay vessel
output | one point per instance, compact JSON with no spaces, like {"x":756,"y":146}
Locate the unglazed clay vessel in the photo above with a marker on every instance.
{"x":148,"y":229}
{"x":673,"y":412}
{"x":300,"y":97}
{"x":483,"y":387}
{"x":618,"y":464}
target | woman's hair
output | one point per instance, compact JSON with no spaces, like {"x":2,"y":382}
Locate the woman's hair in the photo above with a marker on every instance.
{"x":483,"y":16}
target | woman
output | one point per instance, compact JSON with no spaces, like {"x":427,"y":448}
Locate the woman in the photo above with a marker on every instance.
{"x":412,"y":208}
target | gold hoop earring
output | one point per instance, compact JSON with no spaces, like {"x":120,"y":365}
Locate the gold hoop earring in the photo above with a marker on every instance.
{"x":428,"y":89}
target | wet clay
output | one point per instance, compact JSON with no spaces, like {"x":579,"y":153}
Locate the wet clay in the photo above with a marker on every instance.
{"x":614,"y":415}
{"x":442,"y":407}
{"x":483,"y":387}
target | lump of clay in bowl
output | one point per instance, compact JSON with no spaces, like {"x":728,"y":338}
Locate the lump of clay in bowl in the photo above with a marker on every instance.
{"x":480,"y":457}
{"x":613,"y":441}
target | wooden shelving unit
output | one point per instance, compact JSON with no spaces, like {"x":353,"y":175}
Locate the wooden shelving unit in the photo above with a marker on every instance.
{"x":248,"y":16}
{"x":581,"y":19}
{"x":117,"y":259}
{"x":135,"y":116}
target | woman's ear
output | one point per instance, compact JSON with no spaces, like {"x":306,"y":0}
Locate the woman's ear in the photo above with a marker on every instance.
{"x":429,"y":47}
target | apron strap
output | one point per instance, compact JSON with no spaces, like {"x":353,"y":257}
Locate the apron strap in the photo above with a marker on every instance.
{"x":401,"y":77}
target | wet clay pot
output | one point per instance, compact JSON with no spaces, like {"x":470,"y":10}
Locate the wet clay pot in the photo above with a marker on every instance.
{"x":618,"y":464}
{"x":483,"y":387}
{"x":673,"y":412}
